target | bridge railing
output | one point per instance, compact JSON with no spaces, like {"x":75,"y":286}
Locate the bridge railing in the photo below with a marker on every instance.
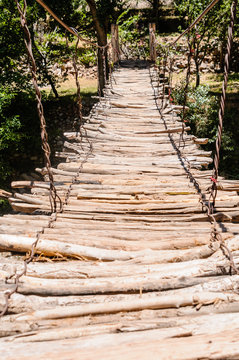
{"x":164,"y":70}
{"x":120,"y":49}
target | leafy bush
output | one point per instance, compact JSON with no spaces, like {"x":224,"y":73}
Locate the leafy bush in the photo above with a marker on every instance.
{"x":10,"y":135}
{"x":87,"y":56}
{"x":132,"y":33}
{"x":202,"y":117}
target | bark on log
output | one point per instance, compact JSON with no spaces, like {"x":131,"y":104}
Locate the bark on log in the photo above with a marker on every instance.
{"x":161,"y":302}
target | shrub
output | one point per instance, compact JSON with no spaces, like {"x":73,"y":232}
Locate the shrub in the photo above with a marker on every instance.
{"x":202,"y":117}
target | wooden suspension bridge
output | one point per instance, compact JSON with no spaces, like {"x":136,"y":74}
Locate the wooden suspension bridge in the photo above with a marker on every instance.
{"x":127,"y":270}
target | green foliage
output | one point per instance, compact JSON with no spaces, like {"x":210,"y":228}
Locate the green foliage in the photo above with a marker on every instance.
{"x":5,"y":207}
{"x":206,"y":37}
{"x":131,"y":27}
{"x":10,"y":136}
{"x":133,"y":35}
{"x":202,"y":117}
{"x":87,"y":56}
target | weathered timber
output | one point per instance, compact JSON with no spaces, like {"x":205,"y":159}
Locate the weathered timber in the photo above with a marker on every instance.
{"x":129,"y":262}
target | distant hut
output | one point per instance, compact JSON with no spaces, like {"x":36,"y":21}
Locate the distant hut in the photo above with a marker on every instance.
{"x":139,"y":4}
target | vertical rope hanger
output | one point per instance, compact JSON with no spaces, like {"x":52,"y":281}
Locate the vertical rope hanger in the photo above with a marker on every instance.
{"x":53,"y":197}
{"x":165,"y":60}
{"x":221,"y":112}
{"x":186,"y":89}
{"x":79,"y":121}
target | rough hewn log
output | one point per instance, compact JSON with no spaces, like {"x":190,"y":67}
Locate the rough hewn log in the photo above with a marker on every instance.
{"x":161,"y":302}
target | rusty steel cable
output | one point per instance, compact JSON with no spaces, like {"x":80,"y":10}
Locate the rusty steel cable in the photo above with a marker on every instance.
{"x":216,"y":240}
{"x":52,"y":193}
{"x":17,"y":276}
{"x":196,"y":21}
{"x":46,"y":148}
{"x":104,"y":58}
{"x":209,"y":205}
{"x":72,"y":30}
{"x":222,"y":103}
{"x":214,"y":178}
{"x":165,"y":60}
{"x":170,"y":77}
{"x":78,"y":122}
{"x":185,"y":95}
{"x":44,"y":136}
{"x":74,"y":179}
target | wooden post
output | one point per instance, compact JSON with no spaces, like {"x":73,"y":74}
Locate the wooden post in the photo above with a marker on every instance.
{"x":115,"y":43}
{"x":152,"y":42}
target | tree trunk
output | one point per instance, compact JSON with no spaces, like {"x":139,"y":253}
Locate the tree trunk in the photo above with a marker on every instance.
{"x":156,"y":13}
{"x":115,"y":43}
{"x":103,"y":69}
{"x":197,"y":73}
{"x":43,"y":65}
{"x":152,"y":42}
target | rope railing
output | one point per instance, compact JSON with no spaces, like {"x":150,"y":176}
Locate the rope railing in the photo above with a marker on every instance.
{"x":102,"y":49}
{"x":56,"y":204}
{"x":55,"y":200}
{"x":207,"y":205}
{"x":72,"y":30}
{"x":44,"y":136}
{"x":196,"y":21}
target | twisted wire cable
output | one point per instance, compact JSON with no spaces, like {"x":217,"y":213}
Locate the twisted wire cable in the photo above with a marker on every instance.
{"x":44,"y":136}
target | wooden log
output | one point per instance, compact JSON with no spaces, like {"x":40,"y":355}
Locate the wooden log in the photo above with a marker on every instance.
{"x":23,"y":244}
{"x":30,"y":199}
{"x":29,"y":184}
{"x":5,"y":194}
{"x":88,"y":270}
{"x":219,"y":345}
{"x":200,"y":141}
{"x":63,"y":287}
{"x":115,"y":43}
{"x":68,"y":333}
{"x":161,"y":302}
{"x":20,"y":303}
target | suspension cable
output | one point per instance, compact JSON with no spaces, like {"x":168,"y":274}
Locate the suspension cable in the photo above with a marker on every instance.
{"x":53,"y":197}
{"x":72,"y":30}
{"x":186,"y":89}
{"x":44,"y":136}
{"x":209,"y":205}
{"x":198,"y":19}
{"x":222,"y":103}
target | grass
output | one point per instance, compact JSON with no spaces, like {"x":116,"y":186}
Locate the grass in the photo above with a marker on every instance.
{"x":68,"y":87}
{"x":214,"y":81}
{"x":31,"y":147}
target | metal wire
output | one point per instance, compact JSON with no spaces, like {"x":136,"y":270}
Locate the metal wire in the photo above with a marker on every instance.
{"x":16,"y":277}
{"x":44,"y":136}
{"x":72,"y":30}
{"x":209,"y":205}
{"x":216,"y":240}
{"x":222,"y":104}
{"x":78,"y":122}
{"x":186,"y":88}
{"x":198,"y":19}
{"x":53,"y":197}
{"x":165,"y":60}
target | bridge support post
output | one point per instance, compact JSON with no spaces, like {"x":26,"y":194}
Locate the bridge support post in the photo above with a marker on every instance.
{"x":115,"y":43}
{"x":152,"y":42}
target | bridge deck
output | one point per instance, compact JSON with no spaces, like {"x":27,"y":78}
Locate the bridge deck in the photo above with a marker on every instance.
{"x":126,"y":270}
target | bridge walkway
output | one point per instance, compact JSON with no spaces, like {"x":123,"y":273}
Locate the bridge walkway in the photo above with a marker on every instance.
{"x":128,"y":269}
